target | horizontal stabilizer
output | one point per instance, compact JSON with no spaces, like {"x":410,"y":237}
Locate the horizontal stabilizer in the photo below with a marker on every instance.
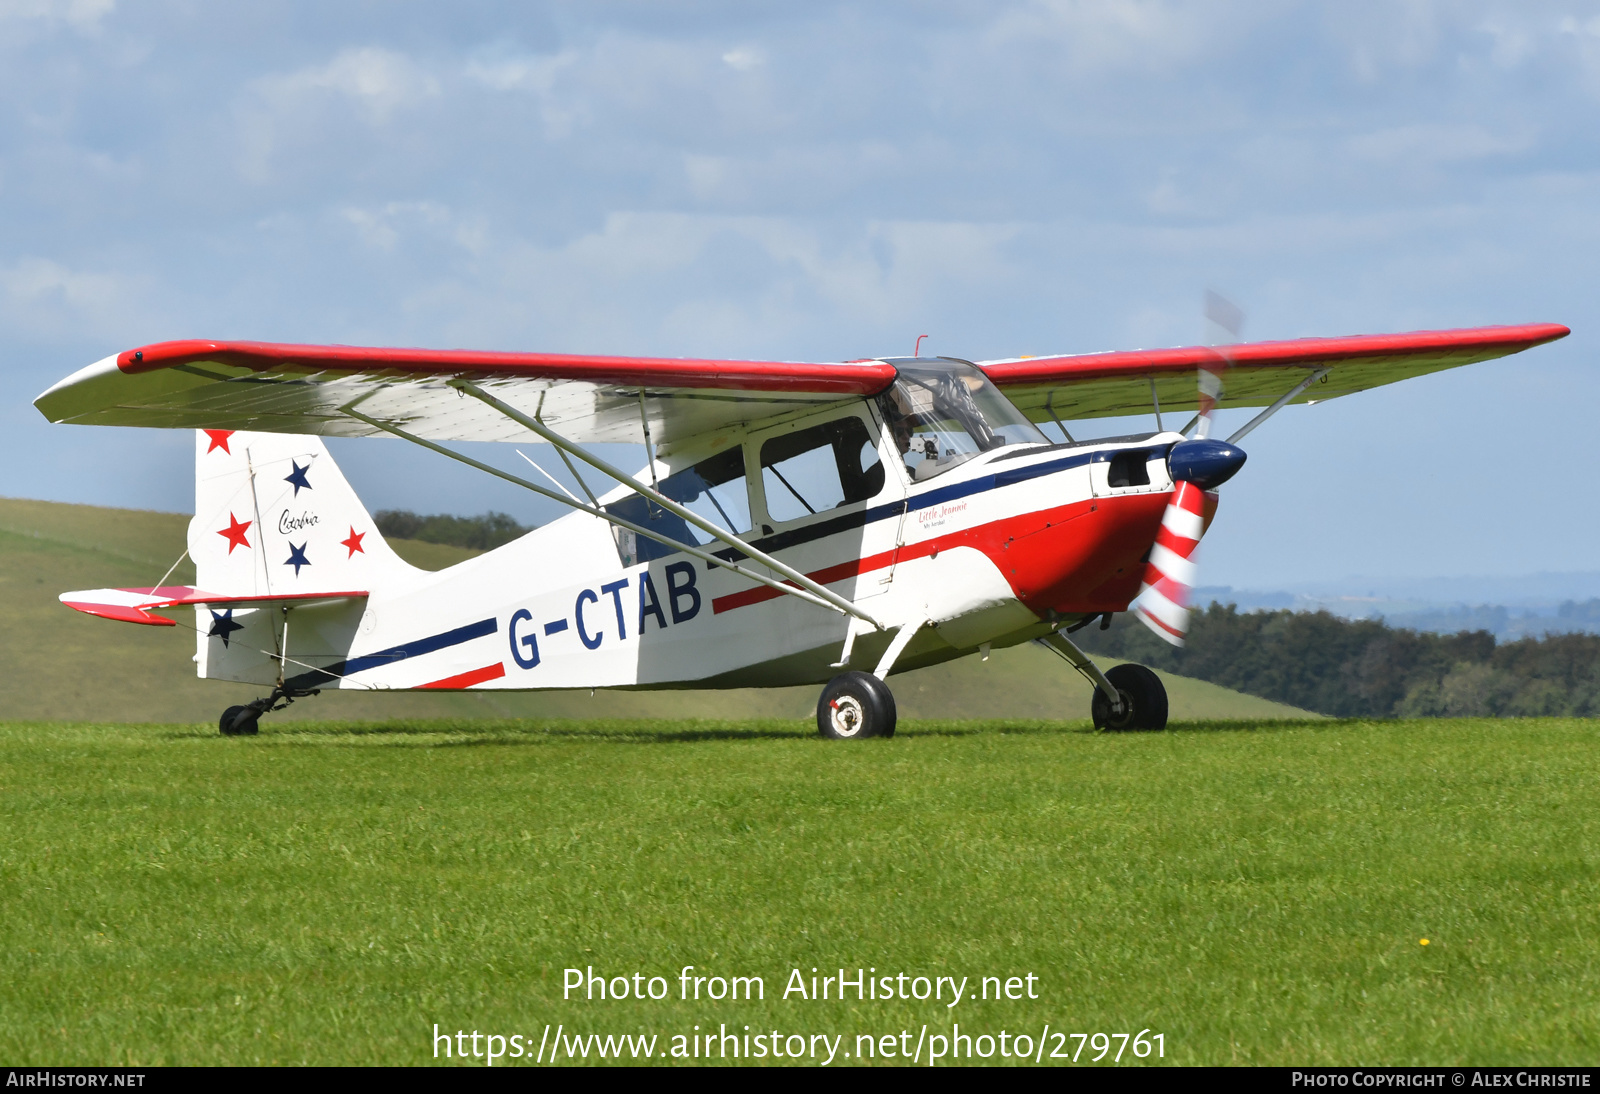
{"x":137,"y":605}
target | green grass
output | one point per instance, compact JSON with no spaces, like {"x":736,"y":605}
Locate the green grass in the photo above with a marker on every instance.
{"x":325,"y":893}
{"x":63,"y":664}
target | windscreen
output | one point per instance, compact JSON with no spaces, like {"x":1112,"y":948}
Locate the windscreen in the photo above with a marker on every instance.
{"x":943,"y":413}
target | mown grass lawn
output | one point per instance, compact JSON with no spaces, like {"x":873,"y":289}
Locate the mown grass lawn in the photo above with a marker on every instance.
{"x":1256,"y":893}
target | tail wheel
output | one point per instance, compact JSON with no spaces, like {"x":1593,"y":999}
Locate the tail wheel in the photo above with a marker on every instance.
{"x":855,"y":705}
{"x":1144,"y":701}
{"x":239,"y":722}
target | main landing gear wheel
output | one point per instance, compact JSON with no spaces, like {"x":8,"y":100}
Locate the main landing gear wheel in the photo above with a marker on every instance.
{"x":1144,"y":701}
{"x":240,"y":722}
{"x":855,"y":705}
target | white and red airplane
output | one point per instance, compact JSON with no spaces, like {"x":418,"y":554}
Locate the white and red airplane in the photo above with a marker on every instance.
{"x":795,"y":523}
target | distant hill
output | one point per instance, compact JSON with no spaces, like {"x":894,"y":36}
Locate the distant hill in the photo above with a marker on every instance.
{"x":1525,"y":606}
{"x":60,"y":664}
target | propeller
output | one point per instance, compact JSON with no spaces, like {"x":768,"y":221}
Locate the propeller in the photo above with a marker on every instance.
{"x":1196,"y":465}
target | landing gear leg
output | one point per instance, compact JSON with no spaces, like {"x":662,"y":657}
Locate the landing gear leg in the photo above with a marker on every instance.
{"x":244,"y":721}
{"x":1128,"y":697}
{"x":860,"y":704}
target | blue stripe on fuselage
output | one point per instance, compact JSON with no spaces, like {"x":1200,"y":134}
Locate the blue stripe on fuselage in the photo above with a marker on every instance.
{"x":420,"y":646}
{"x":415,"y":648}
{"x":925,"y":500}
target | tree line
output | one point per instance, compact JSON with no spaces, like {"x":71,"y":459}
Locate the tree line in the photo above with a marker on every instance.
{"x":481,"y":533}
{"x":1363,"y":668}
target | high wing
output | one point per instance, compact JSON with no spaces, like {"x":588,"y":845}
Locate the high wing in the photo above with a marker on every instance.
{"x":1099,"y":385}
{"x":279,"y":388}
{"x":276,"y":388}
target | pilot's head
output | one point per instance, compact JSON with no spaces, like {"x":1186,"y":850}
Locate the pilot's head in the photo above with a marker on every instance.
{"x":902,"y":435}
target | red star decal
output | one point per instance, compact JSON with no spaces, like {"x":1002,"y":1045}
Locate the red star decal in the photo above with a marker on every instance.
{"x":234,"y":533}
{"x":354,"y":543}
{"x":219,"y":439}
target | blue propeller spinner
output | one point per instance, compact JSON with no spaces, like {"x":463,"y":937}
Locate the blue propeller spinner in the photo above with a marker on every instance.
{"x":1206,"y":463}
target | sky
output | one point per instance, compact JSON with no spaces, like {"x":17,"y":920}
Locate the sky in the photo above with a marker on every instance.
{"x":826,"y":182}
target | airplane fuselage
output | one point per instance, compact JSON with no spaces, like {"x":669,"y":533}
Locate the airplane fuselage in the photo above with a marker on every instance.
{"x":1007,"y":546}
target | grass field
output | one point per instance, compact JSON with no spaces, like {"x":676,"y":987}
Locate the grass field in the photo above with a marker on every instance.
{"x":61,"y":664}
{"x":1256,"y":893}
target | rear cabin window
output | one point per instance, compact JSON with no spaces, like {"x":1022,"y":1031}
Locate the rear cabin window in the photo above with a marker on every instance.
{"x":715,"y":489}
{"x":813,"y":470}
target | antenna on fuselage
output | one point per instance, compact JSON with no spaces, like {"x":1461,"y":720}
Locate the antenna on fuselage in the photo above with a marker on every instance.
{"x":917,"y":352}
{"x":551,"y":477}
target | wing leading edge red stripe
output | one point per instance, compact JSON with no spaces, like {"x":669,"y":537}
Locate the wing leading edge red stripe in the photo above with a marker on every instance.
{"x":865,"y":378}
{"x":1097,"y":366}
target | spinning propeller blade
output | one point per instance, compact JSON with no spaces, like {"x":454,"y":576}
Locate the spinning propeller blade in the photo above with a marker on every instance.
{"x":1163,"y":600}
{"x":1196,"y":465}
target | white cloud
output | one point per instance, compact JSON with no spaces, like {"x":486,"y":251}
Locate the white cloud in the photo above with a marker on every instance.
{"x":1096,"y":35}
{"x":744,"y":58}
{"x":529,"y":73}
{"x":536,"y":76}
{"x":378,"y":80}
{"x":44,"y":298}
{"x":1584,"y":36}
{"x":388,"y":226}
{"x":1428,"y":144}
{"x":83,"y":14}
{"x":276,"y":110}
{"x":672,"y":88}
{"x":1512,"y":42}
{"x":692,"y":283}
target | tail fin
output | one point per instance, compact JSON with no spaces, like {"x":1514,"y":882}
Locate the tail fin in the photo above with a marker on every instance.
{"x":273,"y":515}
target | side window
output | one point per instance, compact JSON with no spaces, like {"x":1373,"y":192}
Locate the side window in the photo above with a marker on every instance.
{"x":1129,"y":469}
{"x":714,"y":489}
{"x":820,"y":468}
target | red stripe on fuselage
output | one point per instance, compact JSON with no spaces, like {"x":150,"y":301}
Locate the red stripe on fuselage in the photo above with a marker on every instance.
{"x":826,"y":576}
{"x":1048,"y":565}
{"x":467,"y":679}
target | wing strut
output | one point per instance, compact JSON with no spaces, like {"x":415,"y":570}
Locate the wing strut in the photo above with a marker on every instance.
{"x":1049,"y":409}
{"x":596,"y":511}
{"x":1277,"y":406}
{"x":710,"y":529}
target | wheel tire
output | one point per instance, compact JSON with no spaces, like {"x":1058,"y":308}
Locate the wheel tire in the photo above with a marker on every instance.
{"x":855,"y":705}
{"x":232,"y":725}
{"x":1144,"y":700}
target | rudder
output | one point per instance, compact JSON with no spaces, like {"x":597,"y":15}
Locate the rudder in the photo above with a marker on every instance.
{"x":275,"y":516}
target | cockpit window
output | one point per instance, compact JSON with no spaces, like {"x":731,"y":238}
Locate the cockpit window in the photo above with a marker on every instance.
{"x":941,"y":413}
{"x":820,"y":468}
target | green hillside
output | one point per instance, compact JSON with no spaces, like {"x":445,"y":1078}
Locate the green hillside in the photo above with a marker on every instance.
{"x":64,"y":665}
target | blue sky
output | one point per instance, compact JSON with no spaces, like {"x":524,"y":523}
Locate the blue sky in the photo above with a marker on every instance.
{"x":828,"y":181}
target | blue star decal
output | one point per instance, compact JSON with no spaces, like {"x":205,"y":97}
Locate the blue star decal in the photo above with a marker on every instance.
{"x":222,"y":625}
{"x":297,"y":558}
{"x":298,"y":478}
